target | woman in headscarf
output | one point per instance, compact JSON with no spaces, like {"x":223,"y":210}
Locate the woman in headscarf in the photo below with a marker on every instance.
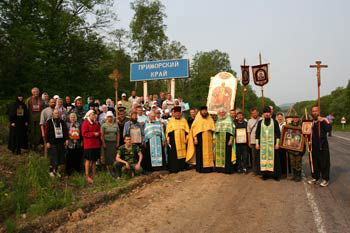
{"x":57,"y":138}
{"x":74,"y":154}
{"x":62,"y":110}
{"x":91,"y":135}
{"x":18,"y":118}
{"x":110,"y":141}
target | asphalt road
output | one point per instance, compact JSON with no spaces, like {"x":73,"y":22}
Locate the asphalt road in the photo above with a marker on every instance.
{"x":192,"y":202}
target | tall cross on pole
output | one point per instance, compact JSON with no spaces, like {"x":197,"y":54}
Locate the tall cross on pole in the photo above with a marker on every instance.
{"x":319,"y":66}
{"x":116,"y":76}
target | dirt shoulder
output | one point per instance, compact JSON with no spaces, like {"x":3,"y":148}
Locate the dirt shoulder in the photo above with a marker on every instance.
{"x":192,"y":202}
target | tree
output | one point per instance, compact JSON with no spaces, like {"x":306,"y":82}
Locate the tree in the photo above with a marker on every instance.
{"x":50,"y":44}
{"x":148,"y":29}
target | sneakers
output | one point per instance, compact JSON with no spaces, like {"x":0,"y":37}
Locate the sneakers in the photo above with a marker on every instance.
{"x":51,"y":174}
{"x":89,"y":180}
{"x":324,"y":183}
{"x":312,"y":181}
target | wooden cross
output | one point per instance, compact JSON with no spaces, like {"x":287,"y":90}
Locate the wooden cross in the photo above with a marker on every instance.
{"x":116,"y":76}
{"x":319,"y":66}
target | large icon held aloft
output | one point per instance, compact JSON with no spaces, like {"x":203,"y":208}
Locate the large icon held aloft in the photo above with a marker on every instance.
{"x":222,"y":92}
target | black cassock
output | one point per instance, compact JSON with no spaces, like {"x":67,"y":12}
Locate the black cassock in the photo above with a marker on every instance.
{"x":199,"y":156}
{"x":18,"y":139}
{"x":174,"y":164}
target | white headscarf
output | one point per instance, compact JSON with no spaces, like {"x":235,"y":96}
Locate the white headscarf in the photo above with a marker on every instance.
{"x":88,"y":114}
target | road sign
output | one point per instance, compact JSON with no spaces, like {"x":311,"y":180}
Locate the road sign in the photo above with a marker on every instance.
{"x":156,"y":70}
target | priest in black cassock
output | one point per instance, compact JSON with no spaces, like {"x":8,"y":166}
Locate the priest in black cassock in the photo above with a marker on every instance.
{"x":267,"y":142}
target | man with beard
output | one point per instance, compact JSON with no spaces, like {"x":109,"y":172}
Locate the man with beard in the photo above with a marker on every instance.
{"x":225,"y":154}
{"x":154,"y":140}
{"x":267,"y":141}
{"x":320,"y":149}
{"x":122,"y":119}
{"x":193,"y":113}
{"x":34,"y":105}
{"x":46,"y":115}
{"x":177,"y":132}
{"x":200,"y":150}
{"x":67,"y":104}
{"x":78,"y":109}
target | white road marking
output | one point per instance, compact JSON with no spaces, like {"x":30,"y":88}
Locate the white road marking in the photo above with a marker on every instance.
{"x":342,"y":137}
{"x":315,"y":211}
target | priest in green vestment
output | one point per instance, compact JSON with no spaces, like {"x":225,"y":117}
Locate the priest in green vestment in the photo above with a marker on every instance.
{"x":267,"y":143}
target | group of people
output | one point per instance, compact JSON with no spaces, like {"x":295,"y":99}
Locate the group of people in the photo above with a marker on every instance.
{"x":147,"y":134}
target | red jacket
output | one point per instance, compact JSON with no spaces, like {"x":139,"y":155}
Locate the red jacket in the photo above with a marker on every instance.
{"x":88,"y":131}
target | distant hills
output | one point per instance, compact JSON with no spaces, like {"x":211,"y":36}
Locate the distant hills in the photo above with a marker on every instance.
{"x":285,"y":107}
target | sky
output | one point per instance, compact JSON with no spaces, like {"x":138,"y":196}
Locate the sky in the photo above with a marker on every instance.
{"x":290,"y":34}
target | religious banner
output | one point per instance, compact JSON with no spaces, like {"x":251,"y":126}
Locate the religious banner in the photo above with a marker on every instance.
{"x":222,"y":92}
{"x":245,"y":75}
{"x":260,"y":74}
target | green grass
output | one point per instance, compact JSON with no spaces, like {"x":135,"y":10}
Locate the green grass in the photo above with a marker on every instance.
{"x":340,"y":128}
{"x":31,"y":191}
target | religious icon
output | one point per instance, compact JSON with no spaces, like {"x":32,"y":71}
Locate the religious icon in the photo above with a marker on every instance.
{"x":292,"y":138}
{"x":306,"y":127}
{"x":241,"y":136}
{"x":222,"y":92}
{"x":135,"y":134}
{"x":260,"y":74}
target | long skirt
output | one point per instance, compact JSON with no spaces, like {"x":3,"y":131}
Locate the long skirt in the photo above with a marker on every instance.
{"x":57,"y":154}
{"x":110,"y":152}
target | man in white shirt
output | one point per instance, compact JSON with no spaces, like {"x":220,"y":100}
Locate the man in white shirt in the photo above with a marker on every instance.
{"x":251,"y":129}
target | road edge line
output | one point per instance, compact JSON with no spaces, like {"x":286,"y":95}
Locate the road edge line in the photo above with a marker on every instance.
{"x":314,"y":208}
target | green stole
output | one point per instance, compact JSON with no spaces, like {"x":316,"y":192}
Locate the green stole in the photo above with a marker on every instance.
{"x":221,"y":128}
{"x":267,"y":146}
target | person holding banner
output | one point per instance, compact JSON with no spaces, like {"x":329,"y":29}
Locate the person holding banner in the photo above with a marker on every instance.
{"x":224,"y":140}
{"x":200,"y":150}
{"x":320,"y":149}
{"x":267,"y":141}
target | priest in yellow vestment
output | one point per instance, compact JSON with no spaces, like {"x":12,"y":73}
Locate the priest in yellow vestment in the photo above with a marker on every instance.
{"x":200,"y":142}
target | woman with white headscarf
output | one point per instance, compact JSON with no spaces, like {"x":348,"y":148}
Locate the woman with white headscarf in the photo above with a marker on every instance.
{"x":91,"y":135}
{"x":110,"y":141}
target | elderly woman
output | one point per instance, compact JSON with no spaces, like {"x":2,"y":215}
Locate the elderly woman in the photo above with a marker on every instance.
{"x":103,"y":114}
{"x":56,"y":138}
{"x":62,"y":110}
{"x":110,"y":141}
{"x":74,"y":154}
{"x":91,"y":135}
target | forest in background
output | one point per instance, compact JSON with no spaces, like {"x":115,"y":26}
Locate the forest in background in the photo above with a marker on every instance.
{"x":68,"y":47}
